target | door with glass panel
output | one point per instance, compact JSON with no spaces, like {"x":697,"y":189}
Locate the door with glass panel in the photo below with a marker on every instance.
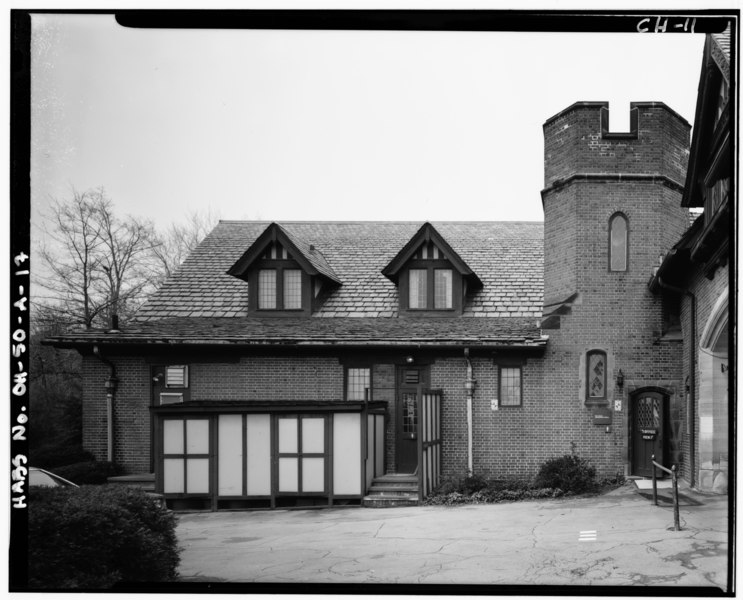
{"x":301,"y":454}
{"x":410,"y":384}
{"x":648,"y":432}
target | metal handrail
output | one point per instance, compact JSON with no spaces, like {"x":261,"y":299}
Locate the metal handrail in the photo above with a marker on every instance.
{"x":674,"y":480}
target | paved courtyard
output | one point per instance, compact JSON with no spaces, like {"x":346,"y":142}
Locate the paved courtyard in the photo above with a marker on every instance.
{"x":617,"y":539}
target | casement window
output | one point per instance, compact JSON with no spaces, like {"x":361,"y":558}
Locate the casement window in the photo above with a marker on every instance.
{"x":430,"y":289}
{"x":509,"y":385}
{"x":596,"y":375}
{"x":618,"y":242}
{"x":280,"y":289}
{"x":358,"y":383}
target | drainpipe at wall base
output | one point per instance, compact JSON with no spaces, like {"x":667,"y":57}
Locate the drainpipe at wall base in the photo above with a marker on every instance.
{"x":692,"y":372}
{"x":469,"y":386}
{"x":110,"y":385}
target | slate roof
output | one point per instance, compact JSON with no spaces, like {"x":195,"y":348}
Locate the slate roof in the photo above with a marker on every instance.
{"x":202,"y":304}
{"x":342,"y":331}
{"x":508,"y":257}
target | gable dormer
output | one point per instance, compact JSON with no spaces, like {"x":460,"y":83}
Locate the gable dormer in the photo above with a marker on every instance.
{"x":286,"y":275}
{"x":431,"y":278}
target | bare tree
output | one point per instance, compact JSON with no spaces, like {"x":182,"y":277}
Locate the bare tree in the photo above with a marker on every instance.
{"x":96,"y":264}
{"x":181,"y":238}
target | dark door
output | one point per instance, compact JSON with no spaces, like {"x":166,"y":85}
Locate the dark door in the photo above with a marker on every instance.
{"x":648,"y":432}
{"x":410,"y":383}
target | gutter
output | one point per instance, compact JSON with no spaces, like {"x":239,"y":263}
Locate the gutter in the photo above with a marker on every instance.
{"x":656,"y":283}
{"x":110,"y":384}
{"x":469,"y":386}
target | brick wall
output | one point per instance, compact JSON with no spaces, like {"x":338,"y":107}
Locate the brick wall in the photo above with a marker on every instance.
{"x":615,"y":311}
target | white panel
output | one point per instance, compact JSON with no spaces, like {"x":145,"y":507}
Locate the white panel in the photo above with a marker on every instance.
{"x":347,"y":453}
{"x":173,"y":475}
{"x":287,"y":435}
{"x":259,"y":455}
{"x":197,"y":475}
{"x":288,"y":474}
{"x":173,"y":436}
{"x":313,"y":435}
{"x":197,"y":436}
{"x":379,"y":467}
{"x":313,"y":474}
{"x":230,"y":455}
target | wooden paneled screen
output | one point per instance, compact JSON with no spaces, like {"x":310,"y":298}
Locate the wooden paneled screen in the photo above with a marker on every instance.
{"x":429,"y":441}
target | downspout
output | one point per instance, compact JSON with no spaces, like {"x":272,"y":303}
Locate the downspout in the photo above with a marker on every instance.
{"x":110,"y":384}
{"x":469,"y":386}
{"x":692,"y":372}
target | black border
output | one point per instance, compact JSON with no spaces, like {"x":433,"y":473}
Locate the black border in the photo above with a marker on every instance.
{"x":708,"y":21}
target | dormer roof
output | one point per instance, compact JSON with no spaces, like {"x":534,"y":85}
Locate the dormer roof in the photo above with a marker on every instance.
{"x":310,"y":259}
{"x":428,"y":233}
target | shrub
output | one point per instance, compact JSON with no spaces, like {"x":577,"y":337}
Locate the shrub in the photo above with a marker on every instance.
{"x":570,"y":473}
{"x":88,"y":472}
{"x":96,"y":536}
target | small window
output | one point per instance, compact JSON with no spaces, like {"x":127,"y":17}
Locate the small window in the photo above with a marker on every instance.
{"x":267,"y":289}
{"x":418,"y":288}
{"x":618,"y":242}
{"x":510,"y":386}
{"x":171,"y":398}
{"x":596,"y":375}
{"x":176,"y":376}
{"x":443,"y":279}
{"x":292,"y":289}
{"x":358,"y":384}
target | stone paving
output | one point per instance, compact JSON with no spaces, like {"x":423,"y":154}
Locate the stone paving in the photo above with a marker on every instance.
{"x":617,"y":539}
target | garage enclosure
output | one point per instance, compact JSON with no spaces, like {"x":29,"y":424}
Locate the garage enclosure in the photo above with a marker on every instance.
{"x":212,"y":456}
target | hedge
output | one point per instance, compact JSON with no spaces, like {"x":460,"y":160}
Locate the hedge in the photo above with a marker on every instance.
{"x":94,"y":537}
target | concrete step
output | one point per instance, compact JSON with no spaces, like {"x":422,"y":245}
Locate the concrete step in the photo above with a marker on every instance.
{"x":393,"y":490}
{"x":390,"y":501}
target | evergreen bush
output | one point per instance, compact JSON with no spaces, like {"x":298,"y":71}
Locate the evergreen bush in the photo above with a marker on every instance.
{"x":570,"y":473}
{"x":97,"y":536}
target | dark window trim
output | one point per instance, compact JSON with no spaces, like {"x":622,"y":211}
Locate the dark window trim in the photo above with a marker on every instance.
{"x":510,"y":365}
{"x":431,"y":266}
{"x":346,"y":368}
{"x":279,"y":265}
{"x":612,"y":219}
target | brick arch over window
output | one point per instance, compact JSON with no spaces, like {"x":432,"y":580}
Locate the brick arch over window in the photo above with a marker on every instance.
{"x":618,"y":242}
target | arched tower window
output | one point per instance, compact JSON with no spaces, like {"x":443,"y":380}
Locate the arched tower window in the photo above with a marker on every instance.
{"x":618,"y":242}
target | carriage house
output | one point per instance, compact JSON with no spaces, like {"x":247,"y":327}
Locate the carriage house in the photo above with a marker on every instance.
{"x":332,"y":363}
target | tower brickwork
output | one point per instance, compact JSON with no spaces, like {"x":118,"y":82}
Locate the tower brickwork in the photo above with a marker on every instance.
{"x":592,"y":304}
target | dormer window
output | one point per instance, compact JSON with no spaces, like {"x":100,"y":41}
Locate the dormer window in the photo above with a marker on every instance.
{"x":432,"y":278}
{"x":286,"y":276}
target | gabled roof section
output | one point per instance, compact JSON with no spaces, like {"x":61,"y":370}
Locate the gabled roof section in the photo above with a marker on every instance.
{"x":308,"y":257}
{"x":426,"y":233}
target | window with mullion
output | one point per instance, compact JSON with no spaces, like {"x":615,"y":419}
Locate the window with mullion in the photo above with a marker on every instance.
{"x":443,"y":297}
{"x":279,"y":288}
{"x":510,"y":386}
{"x":418,"y":289}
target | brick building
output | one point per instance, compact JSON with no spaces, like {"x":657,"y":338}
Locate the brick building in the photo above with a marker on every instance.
{"x":315,"y":363}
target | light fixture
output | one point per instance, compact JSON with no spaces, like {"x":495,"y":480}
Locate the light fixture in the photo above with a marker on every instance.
{"x":409,"y":359}
{"x":620,"y":379}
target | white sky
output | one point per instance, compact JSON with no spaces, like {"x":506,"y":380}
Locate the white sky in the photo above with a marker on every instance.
{"x":325,"y":125}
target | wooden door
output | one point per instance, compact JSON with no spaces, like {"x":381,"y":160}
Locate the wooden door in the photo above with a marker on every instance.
{"x":410,"y":384}
{"x":648,"y":432}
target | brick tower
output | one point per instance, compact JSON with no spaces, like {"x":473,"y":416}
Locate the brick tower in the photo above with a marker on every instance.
{"x":611,"y":209}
